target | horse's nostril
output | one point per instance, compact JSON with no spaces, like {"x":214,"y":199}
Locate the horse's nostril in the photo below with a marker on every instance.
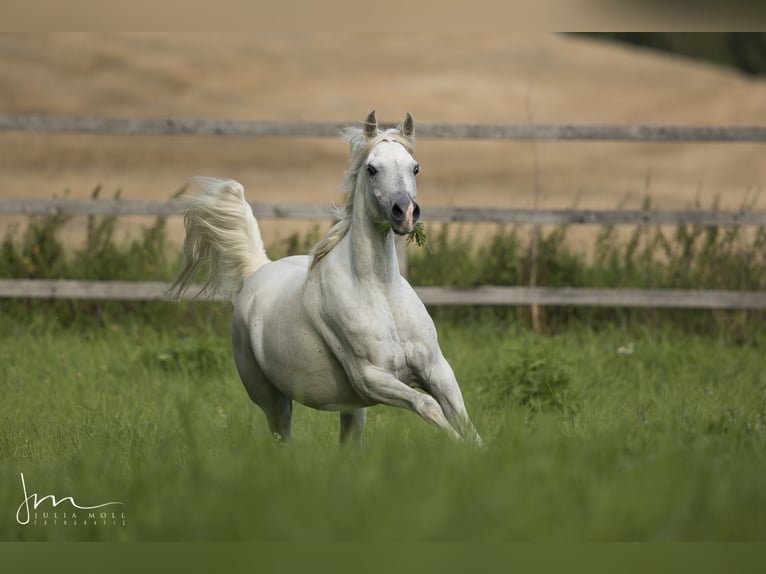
{"x":415,"y":213}
{"x":397,"y":212}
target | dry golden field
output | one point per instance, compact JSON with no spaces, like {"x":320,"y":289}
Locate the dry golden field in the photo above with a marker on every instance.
{"x":480,"y":78}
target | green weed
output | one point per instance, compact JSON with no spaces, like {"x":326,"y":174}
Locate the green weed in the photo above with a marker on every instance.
{"x":529,"y":374}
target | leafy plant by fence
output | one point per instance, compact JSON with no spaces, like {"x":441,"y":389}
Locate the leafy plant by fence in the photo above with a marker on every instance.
{"x":697,"y":257}
{"x":686,"y":256}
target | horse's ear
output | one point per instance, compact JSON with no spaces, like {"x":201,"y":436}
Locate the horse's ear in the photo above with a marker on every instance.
{"x":408,"y":127}
{"x":371,"y":126}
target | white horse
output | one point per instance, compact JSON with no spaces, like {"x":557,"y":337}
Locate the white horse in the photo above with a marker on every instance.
{"x":339,"y":329}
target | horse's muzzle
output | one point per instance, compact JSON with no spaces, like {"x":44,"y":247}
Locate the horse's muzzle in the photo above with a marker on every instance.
{"x":404,"y":215}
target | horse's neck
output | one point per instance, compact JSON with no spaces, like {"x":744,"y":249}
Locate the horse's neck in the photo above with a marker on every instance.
{"x":373,"y":254}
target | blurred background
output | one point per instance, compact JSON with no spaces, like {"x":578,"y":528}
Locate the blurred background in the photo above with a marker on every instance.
{"x":688,"y":79}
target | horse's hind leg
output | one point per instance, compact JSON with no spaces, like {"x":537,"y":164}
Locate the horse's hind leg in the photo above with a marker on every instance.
{"x":352,"y":426}
{"x":277,"y":407}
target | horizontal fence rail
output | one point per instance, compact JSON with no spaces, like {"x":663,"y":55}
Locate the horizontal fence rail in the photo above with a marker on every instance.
{"x":442,"y":214}
{"x":593,"y":297}
{"x":520,"y":296}
{"x":278,"y":128}
{"x":148,"y":207}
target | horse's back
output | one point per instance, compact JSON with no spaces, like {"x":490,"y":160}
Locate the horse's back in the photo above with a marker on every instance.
{"x":274,"y":288}
{"x":273,"y":280}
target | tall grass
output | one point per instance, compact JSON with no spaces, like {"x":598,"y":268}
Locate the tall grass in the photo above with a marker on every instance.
{"x":665,"y":441}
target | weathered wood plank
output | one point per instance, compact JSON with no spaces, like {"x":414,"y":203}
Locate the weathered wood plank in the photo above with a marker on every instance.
{"x":26,"y":206}
{"x":168,"y":126}
{"x":484,"y":295}
{"x":564,"y":132}
{"x":594,"y":217}
{"x":148,"y":207}
{"x":593,"y":297}
{"x":241,"y":128}
{"x":444,"y":214}
{"x":76,"y":289}
{"x":292,"y":210}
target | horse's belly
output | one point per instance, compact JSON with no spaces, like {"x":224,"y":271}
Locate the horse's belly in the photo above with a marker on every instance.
{"x":294,"y":358}
{"x":304,"y":369}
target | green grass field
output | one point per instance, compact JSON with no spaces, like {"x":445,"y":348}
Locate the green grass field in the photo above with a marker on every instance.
{"x":619,"y":434}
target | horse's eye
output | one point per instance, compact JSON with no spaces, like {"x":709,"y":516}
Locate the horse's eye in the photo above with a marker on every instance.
{"x":416,"y":169}
{"x":371,"y":170}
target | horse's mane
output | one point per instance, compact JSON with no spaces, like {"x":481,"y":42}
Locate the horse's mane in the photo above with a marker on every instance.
{"x":360,"y":147}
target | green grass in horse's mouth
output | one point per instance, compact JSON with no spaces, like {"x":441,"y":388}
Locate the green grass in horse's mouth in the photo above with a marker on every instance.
{"x":418,"y":233}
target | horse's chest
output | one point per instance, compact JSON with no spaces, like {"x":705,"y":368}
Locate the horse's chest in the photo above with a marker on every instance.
{"x":387,"y":342}
{"x":378,"y":327}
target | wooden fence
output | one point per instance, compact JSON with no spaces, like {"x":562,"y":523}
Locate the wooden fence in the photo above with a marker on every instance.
{"x":199,"y":127}
{"x":483,"y":295}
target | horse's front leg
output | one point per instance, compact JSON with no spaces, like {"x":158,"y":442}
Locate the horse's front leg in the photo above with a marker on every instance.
{"x":380,"y":386}
{"x":439,"y":381}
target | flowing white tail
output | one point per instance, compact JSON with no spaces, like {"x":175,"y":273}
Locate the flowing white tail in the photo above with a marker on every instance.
{"x":221,"y":231}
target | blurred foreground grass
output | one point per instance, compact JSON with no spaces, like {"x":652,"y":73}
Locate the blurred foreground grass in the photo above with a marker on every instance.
{"x":612,"y":435}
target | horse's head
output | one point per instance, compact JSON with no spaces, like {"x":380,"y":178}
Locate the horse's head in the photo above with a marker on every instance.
{"x":390,"y":170}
